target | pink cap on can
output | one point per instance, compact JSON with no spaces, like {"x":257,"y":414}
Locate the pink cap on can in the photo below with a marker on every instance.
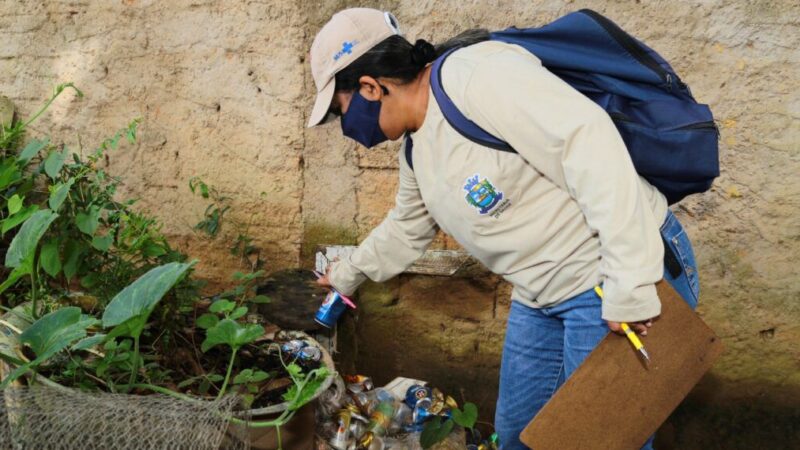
{"x":345,"y":298}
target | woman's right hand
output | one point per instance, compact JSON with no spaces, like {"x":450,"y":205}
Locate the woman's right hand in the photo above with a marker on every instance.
{"x":324,"y":280}
{"x":638,"y":327}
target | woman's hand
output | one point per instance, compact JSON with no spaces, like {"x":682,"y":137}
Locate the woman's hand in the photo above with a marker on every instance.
{"x":324,"y":280}
{"x":638,"y":327}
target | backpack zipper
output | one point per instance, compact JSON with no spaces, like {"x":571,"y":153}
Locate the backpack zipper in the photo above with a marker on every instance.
{"x":629,"y":44}
{"x":707,"y":125}
{"x":700,"y":126}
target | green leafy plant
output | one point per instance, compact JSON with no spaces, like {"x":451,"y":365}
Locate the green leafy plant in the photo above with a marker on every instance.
{"x":129,"y":310}
{"x":9,"y":135}
{"x":212,"y":221}
{"x":22,"y":252}
{"x":436,"y":430}
{"x":215,"y":211}
{"x":64,"y":230}
{"x":466,"y":417}
{"x":250,"y":379}
{"x":228,"y":332}
{"x":49,"y":335}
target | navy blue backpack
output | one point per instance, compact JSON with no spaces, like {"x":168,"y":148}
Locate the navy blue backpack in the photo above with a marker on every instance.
{"x":671,"y":138}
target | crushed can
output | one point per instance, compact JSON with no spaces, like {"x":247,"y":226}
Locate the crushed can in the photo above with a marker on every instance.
{"x":341,"y":439}
{"x":416,"y":393}
{"x":294,"y":346}
{"x":422,"y":411}
{"x":309,"y":353}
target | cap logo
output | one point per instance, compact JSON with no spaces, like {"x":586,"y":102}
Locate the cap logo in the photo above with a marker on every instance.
{"x":347,"y":49}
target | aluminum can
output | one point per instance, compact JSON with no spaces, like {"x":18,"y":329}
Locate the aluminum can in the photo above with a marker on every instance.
{"x":342,"y":436}
{"x":294,"y":346}
{"x":422,"y":411}
{"x":402,"y":417}
{"x":310,"y":353}
{"x":361,"y":400}
{"x":416,"y":393}
{"x":330,"y":310}
{"x":381,"y":418}
{"x":365,"y":382}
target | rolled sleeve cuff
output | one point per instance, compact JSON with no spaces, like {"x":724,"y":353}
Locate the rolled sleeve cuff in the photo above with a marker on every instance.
{"x":643,"y":304}
{"x":345,"y":277}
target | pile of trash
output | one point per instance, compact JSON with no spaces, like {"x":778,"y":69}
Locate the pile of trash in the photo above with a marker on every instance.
{"x":392,"y":417}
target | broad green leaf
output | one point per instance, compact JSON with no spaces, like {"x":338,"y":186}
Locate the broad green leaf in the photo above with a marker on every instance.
{"x":15,"y":275}
{"x":435,"y":431}
{"x":23,"y":247}
{"x":54,"y":162}
{"x":152,"y":250}
{"x":238,"y":312}
{"x":232,"y":334}
{"x":312,"y":384}
{"x":188,"y":382}
{"x":19,"y":217}
{"x":222,"y":306}
{"x":73,"y":250}
{"x":31,"y":150}
{"x":58,"y":193}
{"x":207,"y":321}
{"x":243,"y":376}
{"x":49,"y":258}
{"x":123,"y":329}
{"x":56,"y":330}
{"x":51,"y":334}
{"x":88,"y":221}
{"x":90,"y":280}
{"x":260,"y":299}
{"x":134,"y":304}
{"x":9,"y":174}
{"x":89,"y":342}
{"x":259,"y":376}
{"x":14,"y":204}
{"x":466,"y":417}
{"x":102,"y":243}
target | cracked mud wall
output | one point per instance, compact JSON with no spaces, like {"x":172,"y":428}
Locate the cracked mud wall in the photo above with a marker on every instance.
{"x":219,"y":86}
{"x":223,"y":89}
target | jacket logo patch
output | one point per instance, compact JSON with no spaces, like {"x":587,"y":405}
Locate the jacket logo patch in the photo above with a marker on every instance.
{"x":481,"y":194}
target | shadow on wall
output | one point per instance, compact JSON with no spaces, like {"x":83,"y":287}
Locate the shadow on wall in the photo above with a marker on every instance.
{"x":449,"y":332}
{"x":723,"y":415}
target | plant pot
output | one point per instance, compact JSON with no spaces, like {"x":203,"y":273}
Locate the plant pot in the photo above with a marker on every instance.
{"x":298,"y":433}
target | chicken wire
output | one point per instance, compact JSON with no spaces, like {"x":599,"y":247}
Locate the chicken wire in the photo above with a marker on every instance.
{"x":46,"y":417}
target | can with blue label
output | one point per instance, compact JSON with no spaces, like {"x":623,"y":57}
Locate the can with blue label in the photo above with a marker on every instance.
{"x":330,"y":310}
{"x":416,"y":393}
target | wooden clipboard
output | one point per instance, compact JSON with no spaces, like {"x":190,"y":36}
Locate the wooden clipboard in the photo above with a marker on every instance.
{"x":613,"y":401}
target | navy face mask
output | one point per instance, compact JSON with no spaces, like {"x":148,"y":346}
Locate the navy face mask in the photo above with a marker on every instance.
{"x":360,"y":122}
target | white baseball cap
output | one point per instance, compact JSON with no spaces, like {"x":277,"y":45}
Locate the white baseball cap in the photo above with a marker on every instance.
{"x":347,"y":36}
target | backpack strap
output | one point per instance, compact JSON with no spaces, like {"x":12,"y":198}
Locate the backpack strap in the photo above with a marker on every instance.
{"x":409,"y":147}
{"x":453,"y":115}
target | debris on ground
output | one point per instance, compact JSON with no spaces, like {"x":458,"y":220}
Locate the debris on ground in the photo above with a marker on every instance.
{"x":406,"y":414}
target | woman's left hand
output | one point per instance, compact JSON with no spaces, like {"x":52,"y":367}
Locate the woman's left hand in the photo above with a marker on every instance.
{"x":638,"y":327}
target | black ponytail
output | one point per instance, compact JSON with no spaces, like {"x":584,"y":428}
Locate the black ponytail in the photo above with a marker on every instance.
{"x":398,"y":59}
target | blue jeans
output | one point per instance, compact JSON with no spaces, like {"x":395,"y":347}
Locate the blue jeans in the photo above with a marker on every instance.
{"x":543,"y":347}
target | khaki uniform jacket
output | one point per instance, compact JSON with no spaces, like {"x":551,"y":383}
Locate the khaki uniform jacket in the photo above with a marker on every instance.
{"x":566,"y":213}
